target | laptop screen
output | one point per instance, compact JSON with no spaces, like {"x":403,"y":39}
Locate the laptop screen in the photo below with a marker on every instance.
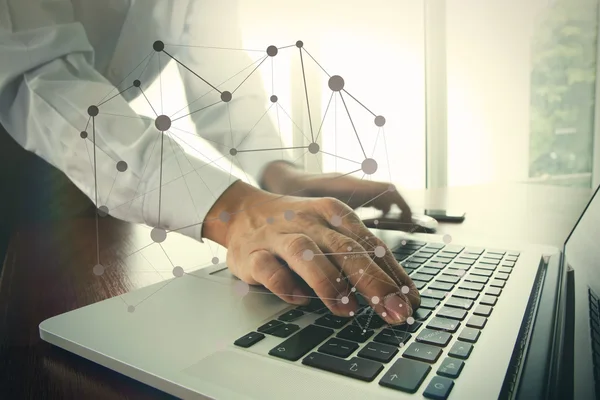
{"x":582,"y":248}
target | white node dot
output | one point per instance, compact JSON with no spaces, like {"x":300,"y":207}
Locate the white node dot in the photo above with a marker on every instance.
{"x":410,"y":320}
{"x":380,"y":251}
{"x":131,"y":309}
{"x":289,"y":215}
{"x":98,"y":269}
{"x":270,"y":220}
{"x":345,"y":300}
{"x":353,"y":290}
{"x":338,"y":280}
{"x":224,"y":216}
{"x":308,"y":255}
{"x":391,"y":188}
{"x":364,"y":331}
{"x":376,"y":222}
{"x":448,"y":294}
{"x":360,"y":271}
{"x":384,"y":314}
{"x":336,"y":83}
{"x":400,"y":305}
{"x":313,"y":148}
{"x":447,"y":239}
{"x":369,"y":166}
{"x":404,"y":243}
{"x":215,"y":260}
{"x":241,"y":288}
{"x":345,"y":257}
{"x":379,"y":121}
{"x":158,"y":235}
{"x":162,"y":123}
{"x":401,"y":344}
{"x":375,"y":300}
{"x":429,"y":291}
{"x":351,"y":313}
{"x":178,"y":272}
{"x":336,"y":220}
{"x":406,"y":289}
{"x":349,"y":248}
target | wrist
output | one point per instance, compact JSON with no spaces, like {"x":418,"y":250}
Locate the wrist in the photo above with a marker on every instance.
{"x":230,"y":207}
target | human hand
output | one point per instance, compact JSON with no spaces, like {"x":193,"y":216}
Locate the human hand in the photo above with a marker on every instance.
{"x":321,"y":240}
{"x":283,"y":178}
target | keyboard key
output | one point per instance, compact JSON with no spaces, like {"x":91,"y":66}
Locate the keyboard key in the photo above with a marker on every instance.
{"x":332,"y":321}
{"x":450,"y":367}
{"x":448,"y":279}
{"x":453,"y":249}
{"x":410,"y":265}
{"x":429,"y":303}
{"x":269,"y":326}
{"x":434,"y":294}
{"x":502,"y":276}
{"x":301,"y":343}
{"x":315,"y":305}
{"x":405,"y":375}
{"x":513,"y":253}
{"x":488,"y":300}
{"x":291,"y":315}
{"x":498,"y":283}
{"x":437,"y":285}
{"x":439,"y":388}
{"x":437,"y":246}
{"x":411,"y":328}
{"x":378,"y":352}
{"x":474,"y":250}
{"x":501,"y":252}
{"x":483,"y":310}
{"x":461,"y":350}
{"x":452,"y":313}
{"x":505,"y":270}
{"x":466,"y":261}
{"x":441,"y":260}
{"x":421,"y":277}
{"x":454,"y":272}
{"x":487,"y":267}
{"x":427,"y":251}
{"x":508,"y":264}
{"x":481,"y":272}
{"x":469,"y":256}
{"x":369,"y":321}
{"x":476,"y":278}
{"x":358,"y":368}
{"x":460,"y":266}
{"x":392,"y":337}
{"x":493,"y":256}
{"x":436,"y":265}
{"x":420,"y":284}
{"x":249,"y":339}
{"x":493,"y":291}
{"x":338,"y":347}
{"x":436,"y":338}
{"x":469,"y":335}
{"x":443,"y":324}
{"x":284,"y":330}
{"x":511,"y":258}
{"x":421,"y":314}
{"x":466,"y":294}
{"x":355,"y":333}
{"x":456,"y":302}
{"x":420,"y":260}
{"x":472,"y":286}
{"x":429,"y":271}
{"x":422,"y":352}
{"x":477,"y":322}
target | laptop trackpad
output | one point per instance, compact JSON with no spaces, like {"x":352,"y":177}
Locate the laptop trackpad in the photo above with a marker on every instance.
{"x":247,"y":376}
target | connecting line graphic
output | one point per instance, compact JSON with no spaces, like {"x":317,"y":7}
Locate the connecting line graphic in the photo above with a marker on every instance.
{"x":163,"y":124}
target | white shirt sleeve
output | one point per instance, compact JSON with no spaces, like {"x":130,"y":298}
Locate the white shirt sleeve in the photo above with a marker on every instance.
{"x":47,"y":83}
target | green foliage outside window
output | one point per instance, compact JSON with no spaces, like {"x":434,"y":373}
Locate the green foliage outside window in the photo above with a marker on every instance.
{"x":563,"y":89}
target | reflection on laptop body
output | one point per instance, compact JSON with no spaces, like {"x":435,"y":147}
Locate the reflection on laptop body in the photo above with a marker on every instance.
{"x":496,"y":321}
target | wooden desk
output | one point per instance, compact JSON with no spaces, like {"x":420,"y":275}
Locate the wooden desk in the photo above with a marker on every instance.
{"x":48,"y":271}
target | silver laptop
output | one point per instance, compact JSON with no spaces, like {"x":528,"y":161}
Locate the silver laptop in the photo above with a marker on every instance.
{"x":496,"y":321}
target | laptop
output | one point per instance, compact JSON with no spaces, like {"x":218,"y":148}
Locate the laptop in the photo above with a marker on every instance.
{"x":497,"y":320}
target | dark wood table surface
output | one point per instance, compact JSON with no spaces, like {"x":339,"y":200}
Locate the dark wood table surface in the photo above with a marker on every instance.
{"x":47,"y":270}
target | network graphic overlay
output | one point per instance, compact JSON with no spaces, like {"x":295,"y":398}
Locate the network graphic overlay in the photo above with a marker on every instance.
{"x":166,"y":126}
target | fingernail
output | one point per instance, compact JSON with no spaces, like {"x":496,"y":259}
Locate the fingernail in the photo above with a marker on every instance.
{"x":299,"y":297}
{"x":397,"y":309}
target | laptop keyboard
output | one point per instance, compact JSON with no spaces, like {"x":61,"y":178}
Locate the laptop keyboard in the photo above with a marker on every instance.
{"x":459,"y":288}
{"x":595,"y":334}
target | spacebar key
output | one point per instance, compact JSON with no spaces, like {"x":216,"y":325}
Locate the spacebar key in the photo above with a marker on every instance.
{"x":301,"y":343}
{"x":358,"y":368}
